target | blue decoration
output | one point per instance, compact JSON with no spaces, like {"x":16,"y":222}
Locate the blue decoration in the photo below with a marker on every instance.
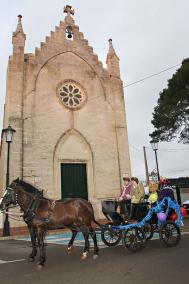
{"x":165,"y":202}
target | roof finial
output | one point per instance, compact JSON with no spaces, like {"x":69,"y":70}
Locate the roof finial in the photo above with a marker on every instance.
{"x":19,"y":18}
{"x":68,"y":19}
{"x":112,"y":61}
{"x":68,"y":9}
{"x":19,"y":28}
{"x":111,"y":51}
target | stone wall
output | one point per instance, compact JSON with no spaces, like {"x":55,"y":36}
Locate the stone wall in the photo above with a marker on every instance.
{"x":48,"y":133}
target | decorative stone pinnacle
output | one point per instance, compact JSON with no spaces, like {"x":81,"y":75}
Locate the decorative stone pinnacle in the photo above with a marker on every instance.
{"x":19,"y":18}
{"x":19,"y":28}
{"x":111,"y":52}
{"x":68,"y":9}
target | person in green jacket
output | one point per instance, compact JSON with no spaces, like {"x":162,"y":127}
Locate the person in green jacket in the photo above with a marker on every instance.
{"x":137,"y":195}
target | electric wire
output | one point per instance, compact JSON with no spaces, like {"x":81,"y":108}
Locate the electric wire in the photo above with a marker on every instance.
{"x":150,"y":76}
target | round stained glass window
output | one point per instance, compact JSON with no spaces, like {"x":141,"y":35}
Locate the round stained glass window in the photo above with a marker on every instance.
{"x":71,"y":95}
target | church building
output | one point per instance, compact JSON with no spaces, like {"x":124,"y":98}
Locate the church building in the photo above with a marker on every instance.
{"x":69,"y":115}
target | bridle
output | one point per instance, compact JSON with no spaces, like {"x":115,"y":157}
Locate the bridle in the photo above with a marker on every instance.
{"x":29,"y":212}
{"x":14,"y":198}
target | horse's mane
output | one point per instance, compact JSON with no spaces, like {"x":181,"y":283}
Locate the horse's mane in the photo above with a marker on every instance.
{"x":28,"y":187}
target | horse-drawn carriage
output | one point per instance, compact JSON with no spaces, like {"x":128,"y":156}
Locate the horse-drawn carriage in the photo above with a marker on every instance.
{"x":135,"y":235}
{"x":42,"y":214}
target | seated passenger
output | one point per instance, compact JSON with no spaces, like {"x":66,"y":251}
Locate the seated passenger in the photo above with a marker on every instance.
{"x":165,"y":190}
{"x":153,"y":197}
{"x":137,"y":195}
{"x":125,"y":196}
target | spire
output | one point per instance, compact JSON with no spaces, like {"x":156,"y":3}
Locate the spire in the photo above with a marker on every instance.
{"x":18,"y":38}
{"x":19,"y":28}
{"x":112,"y":61}
{"x":68,"y":19}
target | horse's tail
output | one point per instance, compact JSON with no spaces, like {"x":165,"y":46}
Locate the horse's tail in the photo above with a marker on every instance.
{"x":93,"y":216}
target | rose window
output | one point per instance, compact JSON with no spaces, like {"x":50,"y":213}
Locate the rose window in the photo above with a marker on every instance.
{"x":71,"y":95}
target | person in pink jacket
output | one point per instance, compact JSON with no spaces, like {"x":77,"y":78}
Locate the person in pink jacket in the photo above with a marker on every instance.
{"x":125,"y":197}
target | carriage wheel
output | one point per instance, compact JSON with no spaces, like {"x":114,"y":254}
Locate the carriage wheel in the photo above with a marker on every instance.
{"x":134,"y":239}
{"x":149,"y":231}
{"x":170,"y":234}
{"x":110,"y":237}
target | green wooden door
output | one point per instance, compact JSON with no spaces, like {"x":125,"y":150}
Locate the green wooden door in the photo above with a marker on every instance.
{"x":74,"y":181}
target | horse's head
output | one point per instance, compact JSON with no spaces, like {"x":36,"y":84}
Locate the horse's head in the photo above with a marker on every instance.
{"x":9,"y":196}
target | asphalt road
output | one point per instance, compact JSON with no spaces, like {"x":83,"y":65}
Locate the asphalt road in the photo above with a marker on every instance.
{"x":155,"y":264}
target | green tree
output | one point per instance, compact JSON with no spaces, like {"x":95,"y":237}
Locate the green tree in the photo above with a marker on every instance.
{"x":171,"y":115}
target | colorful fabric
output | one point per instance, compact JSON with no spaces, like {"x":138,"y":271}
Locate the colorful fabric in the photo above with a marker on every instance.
{"x":166,"y":191}
{"x":153,"y":197}
{"x":158,"y":208}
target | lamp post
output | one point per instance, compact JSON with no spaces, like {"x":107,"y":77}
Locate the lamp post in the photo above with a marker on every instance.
{"x":154,"y":145}
{"x":9,"y":131}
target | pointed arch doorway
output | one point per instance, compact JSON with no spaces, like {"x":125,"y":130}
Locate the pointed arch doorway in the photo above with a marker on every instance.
{"x":74,"y":180}
{"x":73,"y":166}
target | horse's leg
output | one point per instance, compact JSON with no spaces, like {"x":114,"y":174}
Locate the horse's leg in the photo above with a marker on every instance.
{"x":40,"y":238}
{"x":33,"y":254}
{"x":87,"y":244}
{"x":96,"y":248}
{"x":70,"y":244}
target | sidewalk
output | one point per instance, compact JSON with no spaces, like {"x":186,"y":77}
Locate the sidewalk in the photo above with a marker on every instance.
{"x":23,"y":231}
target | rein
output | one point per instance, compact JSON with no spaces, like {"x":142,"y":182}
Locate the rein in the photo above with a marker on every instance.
{"x":14,"y":215}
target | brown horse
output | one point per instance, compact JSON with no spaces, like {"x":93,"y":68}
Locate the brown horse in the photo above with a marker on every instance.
{"x":42,"y":214}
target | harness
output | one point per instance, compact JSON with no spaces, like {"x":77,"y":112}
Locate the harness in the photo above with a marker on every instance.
{"x":29,"y":214}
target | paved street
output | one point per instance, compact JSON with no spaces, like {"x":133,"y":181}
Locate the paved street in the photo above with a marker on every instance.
{"x":155,"y":264}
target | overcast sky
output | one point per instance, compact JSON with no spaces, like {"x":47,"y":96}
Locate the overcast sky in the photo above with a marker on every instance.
{"x":148,"y":36}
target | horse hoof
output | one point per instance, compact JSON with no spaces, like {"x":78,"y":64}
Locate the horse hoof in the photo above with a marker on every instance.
{"x":40,"y":266}
{"x":31,"y":259}
{"x":84,"y":255}
{"x":95,"y":256}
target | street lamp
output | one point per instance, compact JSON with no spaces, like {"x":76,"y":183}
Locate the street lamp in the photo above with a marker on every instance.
{"x":154,"y":145}
{"x":9,"y":131}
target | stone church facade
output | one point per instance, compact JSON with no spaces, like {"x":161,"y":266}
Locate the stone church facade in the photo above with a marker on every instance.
{"x":69,"y":115}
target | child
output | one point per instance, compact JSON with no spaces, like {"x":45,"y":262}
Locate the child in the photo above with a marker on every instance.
{"x":153,"y":197}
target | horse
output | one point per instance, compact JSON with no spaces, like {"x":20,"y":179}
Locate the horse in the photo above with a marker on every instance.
{"x":42,"y":214}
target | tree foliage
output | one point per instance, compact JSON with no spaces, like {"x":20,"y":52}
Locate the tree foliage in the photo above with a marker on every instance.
{"x":171,"y":115}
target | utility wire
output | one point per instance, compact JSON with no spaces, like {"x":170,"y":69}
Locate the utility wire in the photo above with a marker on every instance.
{"x":150,"y":76}
{"x":170,"y":150}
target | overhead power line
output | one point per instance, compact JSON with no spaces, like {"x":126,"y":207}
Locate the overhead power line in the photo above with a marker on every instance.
{"x":150,"y":76}
{"x":170,"y":150}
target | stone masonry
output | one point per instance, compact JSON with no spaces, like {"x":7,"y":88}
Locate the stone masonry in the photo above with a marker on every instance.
{"x":49,"y":132}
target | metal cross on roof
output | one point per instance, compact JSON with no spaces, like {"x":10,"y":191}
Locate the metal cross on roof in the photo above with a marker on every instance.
{"x":68,"y":9}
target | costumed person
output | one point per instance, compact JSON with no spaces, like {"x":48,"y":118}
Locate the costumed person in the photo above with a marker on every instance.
{"x":165,"y":189}
{"x":125,"y":197}
{"x":153,"y":197}
{"x":137,"y":195}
